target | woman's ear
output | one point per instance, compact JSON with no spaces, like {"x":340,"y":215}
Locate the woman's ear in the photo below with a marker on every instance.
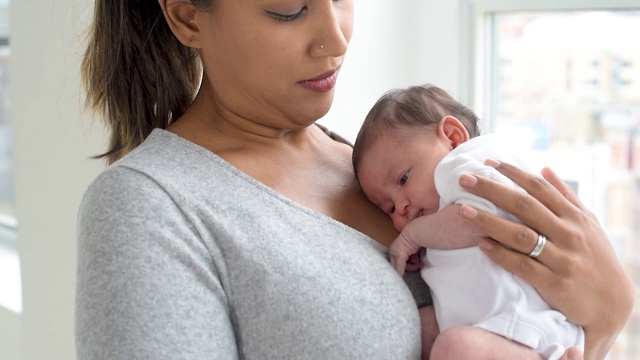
{"x":452,"y":129}
{"x":181,"y":18}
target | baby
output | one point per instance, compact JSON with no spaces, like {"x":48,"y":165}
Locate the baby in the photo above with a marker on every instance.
{"x":414,"y":145}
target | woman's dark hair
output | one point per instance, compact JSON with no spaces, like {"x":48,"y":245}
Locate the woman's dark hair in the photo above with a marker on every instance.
{"x":136,"y":73}
{"x":415,"y":106}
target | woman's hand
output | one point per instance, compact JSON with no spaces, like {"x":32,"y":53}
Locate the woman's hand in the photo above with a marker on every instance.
{"x":577,"y":272}
{"x":572,"y":354}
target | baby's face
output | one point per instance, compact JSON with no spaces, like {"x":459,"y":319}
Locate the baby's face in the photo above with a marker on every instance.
{"x":396,"y":174}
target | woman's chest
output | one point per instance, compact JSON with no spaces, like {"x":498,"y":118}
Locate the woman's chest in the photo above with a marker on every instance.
{"x":305,"y":285}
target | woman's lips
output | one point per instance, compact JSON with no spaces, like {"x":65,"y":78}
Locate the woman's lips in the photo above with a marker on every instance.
{"x":322,"y":83}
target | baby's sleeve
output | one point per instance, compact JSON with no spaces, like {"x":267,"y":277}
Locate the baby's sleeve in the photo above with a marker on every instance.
{"x":471,"y":161}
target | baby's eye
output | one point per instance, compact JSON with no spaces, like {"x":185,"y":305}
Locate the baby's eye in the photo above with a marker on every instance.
{"x":404,"y":178}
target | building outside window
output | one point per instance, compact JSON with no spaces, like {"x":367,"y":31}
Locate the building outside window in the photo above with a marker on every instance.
{"x":567,"y":84}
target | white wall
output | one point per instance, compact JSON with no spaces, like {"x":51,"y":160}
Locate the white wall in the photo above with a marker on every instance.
{"x":9,"y":334}
{"x":395,"y":44}
{"x":53,"y":140}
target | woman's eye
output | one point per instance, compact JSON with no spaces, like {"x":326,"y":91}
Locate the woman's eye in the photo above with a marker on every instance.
{"x":288,"y":17}
{"x":404,"y":178}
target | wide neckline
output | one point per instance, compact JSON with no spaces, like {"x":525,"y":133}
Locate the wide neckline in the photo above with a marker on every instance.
{"x":210,"y":155}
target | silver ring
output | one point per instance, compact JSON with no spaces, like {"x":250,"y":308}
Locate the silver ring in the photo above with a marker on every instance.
{"x":542,"y":240}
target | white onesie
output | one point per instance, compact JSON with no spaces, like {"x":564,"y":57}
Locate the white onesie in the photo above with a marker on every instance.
{"x":468,"y":288}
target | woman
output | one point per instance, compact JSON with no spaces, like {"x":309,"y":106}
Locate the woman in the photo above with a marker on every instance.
{"x":234,"y":227}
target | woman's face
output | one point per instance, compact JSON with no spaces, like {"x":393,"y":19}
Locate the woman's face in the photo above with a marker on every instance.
{"x":275,"y":62}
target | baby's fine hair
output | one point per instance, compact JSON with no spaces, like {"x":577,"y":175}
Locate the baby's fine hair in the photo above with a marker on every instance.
{"x":414,"y":106}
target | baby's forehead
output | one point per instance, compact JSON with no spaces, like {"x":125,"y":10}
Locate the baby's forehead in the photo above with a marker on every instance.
{"x":372,"y":169}
{"x":376,"y":158}
{"x":375,"y":192}
{"x":386,"y":154}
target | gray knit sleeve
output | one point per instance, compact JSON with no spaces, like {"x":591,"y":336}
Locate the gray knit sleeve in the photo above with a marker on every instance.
{"x":147,"y":287}
{"x":419,"y":288}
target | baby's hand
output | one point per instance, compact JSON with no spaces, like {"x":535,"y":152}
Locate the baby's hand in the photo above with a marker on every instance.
{"x":401,"y":250}
{"x":414,"y":263}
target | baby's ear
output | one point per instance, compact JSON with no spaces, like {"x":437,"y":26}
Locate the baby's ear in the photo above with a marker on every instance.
{"x":452,"y":129}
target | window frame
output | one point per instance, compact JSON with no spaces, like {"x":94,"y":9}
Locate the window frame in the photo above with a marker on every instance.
{"x":476,"y":68}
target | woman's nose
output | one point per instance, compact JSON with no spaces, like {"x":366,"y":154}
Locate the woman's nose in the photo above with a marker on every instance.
{"x":335,"y":27}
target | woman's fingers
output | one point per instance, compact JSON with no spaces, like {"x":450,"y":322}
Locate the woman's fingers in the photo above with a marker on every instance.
{"x":554,"y":274}
{"x":572,"y":354}
{"x":561,"y":186}
{"x":566,"y":191}
{"x":521,"y":240}
{"x":553,"y":196}
{"x":522,"y":205}
{"x":574,"y":271}
{"x":532,"y":271}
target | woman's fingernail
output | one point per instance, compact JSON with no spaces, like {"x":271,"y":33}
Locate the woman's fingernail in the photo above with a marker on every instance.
{"x":492,"y":162}
{"x":573,"y":354}
{"x":485,"y":244}
{"x":468,"y":180}
{"x":469,"y":212}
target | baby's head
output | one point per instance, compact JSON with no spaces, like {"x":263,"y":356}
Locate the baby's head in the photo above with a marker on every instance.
{"x":406,"y":133}
{"x":415,"y":106}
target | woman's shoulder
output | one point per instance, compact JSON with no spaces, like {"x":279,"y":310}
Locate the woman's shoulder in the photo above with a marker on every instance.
{"x":334,"y":135}
{"x":168,"y":153}
{"x":163,"y":158}
{"x":144,"y":174}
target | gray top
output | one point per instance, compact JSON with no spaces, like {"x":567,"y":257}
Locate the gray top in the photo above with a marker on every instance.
{"x":183,"y":256}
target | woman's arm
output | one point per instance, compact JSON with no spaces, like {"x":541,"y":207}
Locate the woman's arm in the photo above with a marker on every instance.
{"x":576,"y":268}
{"x":146,"y":285}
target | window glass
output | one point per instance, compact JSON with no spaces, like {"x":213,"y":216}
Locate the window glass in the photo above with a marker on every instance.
{"x":10,"y":279}
{"x":7,"y":192}
{"x":567,"y":84}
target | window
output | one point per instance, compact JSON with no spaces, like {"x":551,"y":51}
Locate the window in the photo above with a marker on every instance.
{"x":566,"y":82}
{"x":6,"y":157}
{"x":10,"y":296}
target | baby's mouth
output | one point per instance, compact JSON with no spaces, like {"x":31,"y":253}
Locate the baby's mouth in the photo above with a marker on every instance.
{"x":418,"y":214}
